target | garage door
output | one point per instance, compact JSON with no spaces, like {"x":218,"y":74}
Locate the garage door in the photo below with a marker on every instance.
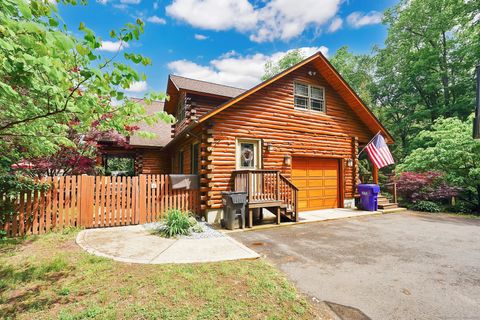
{"x":317,"y":181}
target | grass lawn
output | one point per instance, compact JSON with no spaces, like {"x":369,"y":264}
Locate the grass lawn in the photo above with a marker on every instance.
{"x":50,"y":277}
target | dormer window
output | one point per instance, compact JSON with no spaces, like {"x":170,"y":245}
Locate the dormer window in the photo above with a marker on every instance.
{"x":309,"y":97}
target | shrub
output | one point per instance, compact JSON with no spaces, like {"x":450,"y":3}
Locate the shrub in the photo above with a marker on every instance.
{"x":425,"y":186}
{"x":426,"y":206}
{"x":177,"y":222}
{"x":462,"y":207}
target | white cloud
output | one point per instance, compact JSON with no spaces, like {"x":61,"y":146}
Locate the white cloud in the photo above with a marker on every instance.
{"x":130,"y":1}
{"x":113,"y":46}
{"x":336,"y":24}
{"x":102,"y":1}
{"x":358,"y":19}
{"x":233,"y":69}
{"x":213,"y":14}
{"x":277,"y":19}
{"x":156,"y":19}
{"x":284,"y":19}
{"x":155,"y":5}
{"x":137,"y":86}
{"x":200,"y":37}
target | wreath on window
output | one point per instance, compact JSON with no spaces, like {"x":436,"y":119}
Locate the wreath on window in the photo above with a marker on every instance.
{"x":247,"y":155}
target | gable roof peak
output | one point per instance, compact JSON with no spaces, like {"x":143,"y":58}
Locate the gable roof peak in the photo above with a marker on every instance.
{"x":318,"y":59}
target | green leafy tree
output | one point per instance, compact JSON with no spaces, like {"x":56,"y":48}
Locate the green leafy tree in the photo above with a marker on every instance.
{"x":52,"y":82}
{"x":449,"y":148}
{"x":291,"y":58}
{"x":358,"y":70}
{"x":426,"y":68}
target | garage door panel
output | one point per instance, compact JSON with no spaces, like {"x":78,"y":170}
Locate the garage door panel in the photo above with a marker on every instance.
{"x":330,"y":193}
{"x":300,"y":183}
{"x":299,"y":173}
{"x":316,"y":183}
{"x":331,"y":173}
{"x":302,"y":205}
{"x":330,"y":183}
{"x":302,"y":194}
{"x":317,"y":180}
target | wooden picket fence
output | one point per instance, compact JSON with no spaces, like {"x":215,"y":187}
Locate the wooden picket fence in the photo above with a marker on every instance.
{"x":95,"y":202}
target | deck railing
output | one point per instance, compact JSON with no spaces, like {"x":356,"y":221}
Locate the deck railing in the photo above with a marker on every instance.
{"x":267,"y":186}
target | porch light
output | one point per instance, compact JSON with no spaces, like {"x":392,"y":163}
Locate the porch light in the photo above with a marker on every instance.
{"x":269,"y":147}
{"x":349,"y":162}
{"x":287,"y":160}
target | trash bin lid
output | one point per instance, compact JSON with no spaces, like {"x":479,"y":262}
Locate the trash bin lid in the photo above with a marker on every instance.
{"x":236,"y":197}
{"x":374,"y":188}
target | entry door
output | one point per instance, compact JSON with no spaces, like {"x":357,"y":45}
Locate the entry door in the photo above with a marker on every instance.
{"x":317,"y":180}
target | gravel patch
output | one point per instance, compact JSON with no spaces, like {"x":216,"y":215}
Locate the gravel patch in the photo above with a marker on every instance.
{"x":208,"y":231}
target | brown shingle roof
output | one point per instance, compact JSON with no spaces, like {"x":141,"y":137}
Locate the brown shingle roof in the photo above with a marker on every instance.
{"x":161,"y":129}
{"x":205,"y":87}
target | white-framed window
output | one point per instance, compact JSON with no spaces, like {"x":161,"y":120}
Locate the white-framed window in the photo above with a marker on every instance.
{"x":248,"y":154}
{"x":309,"y":97}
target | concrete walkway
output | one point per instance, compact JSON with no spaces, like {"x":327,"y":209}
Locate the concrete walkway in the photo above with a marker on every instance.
{"x":269,"y":220}
{"x":333,"y":214}
{"x":136,"y":244}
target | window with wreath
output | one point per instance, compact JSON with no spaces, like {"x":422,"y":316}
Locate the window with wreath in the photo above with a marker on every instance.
{"x":309,"y":97}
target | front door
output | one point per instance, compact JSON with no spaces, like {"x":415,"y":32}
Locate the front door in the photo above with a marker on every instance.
{"x":317,"y":181}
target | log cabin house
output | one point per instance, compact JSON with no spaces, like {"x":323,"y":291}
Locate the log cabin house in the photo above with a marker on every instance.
{"x":291,"y":142}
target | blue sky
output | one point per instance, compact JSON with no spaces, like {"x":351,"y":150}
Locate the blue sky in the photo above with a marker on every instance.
{"x":228,"y":41}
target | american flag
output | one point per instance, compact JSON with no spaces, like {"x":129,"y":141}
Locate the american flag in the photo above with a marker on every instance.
{"x":378,"y":152}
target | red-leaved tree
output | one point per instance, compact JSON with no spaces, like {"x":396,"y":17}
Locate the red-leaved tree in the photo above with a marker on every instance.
{"x":430,"y":186}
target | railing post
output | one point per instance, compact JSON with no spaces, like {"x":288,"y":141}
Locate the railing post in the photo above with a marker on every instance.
{"x":278,"y":185}
{"x":249,"y":187}
{"x":296,"y":205}
{"x":394,"y":192}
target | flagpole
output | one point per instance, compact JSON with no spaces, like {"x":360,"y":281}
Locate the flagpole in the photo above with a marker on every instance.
{"x":369,"y":143}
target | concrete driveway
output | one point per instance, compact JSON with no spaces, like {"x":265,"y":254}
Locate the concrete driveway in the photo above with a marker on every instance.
{"x":397,"y":266}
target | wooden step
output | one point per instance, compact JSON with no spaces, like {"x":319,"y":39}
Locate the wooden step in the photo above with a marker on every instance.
{"x":393,"y":210}
{"x":387,"y":205}
{"x":265,"y":204}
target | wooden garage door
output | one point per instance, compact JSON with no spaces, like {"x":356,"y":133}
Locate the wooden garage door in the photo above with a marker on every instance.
{"x":317,"y":181}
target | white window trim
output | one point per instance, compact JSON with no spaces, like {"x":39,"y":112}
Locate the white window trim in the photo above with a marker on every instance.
{"x":257,"y":148}
{"x":309,"y":97}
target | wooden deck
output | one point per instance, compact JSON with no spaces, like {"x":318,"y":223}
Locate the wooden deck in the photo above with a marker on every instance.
{"x":268,"y":189}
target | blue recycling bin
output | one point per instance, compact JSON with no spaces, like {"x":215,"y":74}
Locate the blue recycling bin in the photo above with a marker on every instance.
{"x":369,"y":196}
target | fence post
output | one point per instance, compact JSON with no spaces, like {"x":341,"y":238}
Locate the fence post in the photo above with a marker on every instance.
{"x":142,"y":199}
{"x":86,"y":201}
